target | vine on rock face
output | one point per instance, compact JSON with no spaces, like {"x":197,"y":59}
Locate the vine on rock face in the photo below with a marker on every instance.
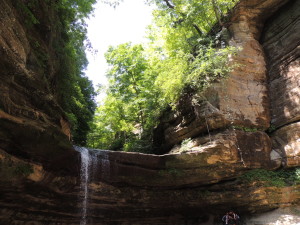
{"x":182,"y":54}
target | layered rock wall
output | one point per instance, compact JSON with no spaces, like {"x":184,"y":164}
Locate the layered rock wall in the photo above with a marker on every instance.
{"x":282,"y":47}
{"x":240,"y":100}
{"x":262,"y":93}
{"x":197,"y":181}
{"x":121,"y":192}
{"x":32,"y":124}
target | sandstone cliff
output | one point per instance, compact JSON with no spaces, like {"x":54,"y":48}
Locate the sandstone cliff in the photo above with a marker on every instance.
{"x":32,"y":124}
{"x":246,"y":122}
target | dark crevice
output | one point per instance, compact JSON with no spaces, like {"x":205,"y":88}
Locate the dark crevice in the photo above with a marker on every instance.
{"x":284,"y":125}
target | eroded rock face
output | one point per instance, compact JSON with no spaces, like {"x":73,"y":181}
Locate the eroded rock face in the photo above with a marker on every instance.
{"x":201,"y":162}
{"x":32,"y":124}
{"x":286,"y":141}
{"x":192,"y":206}
{"x":282,"y":46}
{"x":32,"y":195}
{"x":240,"y":100}
{"x":51,"y":199}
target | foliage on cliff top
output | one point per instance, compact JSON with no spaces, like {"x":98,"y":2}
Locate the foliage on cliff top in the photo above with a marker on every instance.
{"x":144,"y":80}
{"x":62,"y":25}
{"x":76,"y":91}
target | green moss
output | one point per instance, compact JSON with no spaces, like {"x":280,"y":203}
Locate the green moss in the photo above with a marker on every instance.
{"x":204,"y":193}
{"x":246,"y":129}
{"x":175,"y":172}
{"x":23,"y":169}
{"x":10,"y":170}
{"x":271,"y":128}
{"x":27,"y":9}
{"x":279,"y":178}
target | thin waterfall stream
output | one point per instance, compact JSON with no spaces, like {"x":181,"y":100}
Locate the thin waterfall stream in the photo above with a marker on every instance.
{"x":94,"y":163}
{"x":84,"y":177}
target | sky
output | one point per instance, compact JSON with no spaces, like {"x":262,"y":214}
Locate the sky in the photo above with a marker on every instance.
{"x":113,"y":26}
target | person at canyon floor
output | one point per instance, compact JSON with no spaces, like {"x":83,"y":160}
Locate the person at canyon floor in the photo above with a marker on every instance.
{"x":230,"y":218}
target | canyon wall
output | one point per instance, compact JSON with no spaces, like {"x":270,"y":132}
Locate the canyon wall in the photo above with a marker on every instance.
{"x":32,"y":124}
{"x":246,"y":122}
{"x":281,"y":43}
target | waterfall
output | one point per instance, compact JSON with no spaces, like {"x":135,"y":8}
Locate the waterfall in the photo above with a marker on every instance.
{"x":95,"y":165}
{"x":84,"y":177}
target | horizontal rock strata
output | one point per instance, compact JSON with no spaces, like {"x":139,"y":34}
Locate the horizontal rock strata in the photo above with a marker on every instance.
{"x":32,"y":124}
{"x":43,"y":198}
{"x":203,"y":162}
{"x":282,"y":47}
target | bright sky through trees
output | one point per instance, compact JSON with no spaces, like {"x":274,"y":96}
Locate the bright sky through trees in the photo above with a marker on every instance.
{"x":109,"y":26}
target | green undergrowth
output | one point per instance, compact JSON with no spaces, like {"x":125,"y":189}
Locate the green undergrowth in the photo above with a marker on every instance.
{"x":279,"y":178}
{"x":23,"y":169}
{"x":9,"y":170}
{"x":271,"y":128}
{"x":27,"y":8}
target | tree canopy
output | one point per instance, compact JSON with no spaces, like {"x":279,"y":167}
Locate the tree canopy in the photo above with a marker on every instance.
{"x":131,"y":103}
{"x":187,"y":50}
{"x":76,"y":92}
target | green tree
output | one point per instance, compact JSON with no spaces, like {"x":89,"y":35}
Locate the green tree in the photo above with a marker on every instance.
{"x":130,"y":80}
{"x":130,"y":107}
{"x":64,"y":42}
{"x":189,"y":56}
{"x":76,"y":92}
{"x":183,"y":54}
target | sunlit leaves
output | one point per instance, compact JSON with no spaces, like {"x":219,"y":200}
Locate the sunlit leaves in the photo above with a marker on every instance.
{"x":130,"y":106}
{"x":182,"y":54}
{"x":171,"y":76}
{"x":75,"y":91}
{"x":81,"y":8}
{"x":187,"y":21}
